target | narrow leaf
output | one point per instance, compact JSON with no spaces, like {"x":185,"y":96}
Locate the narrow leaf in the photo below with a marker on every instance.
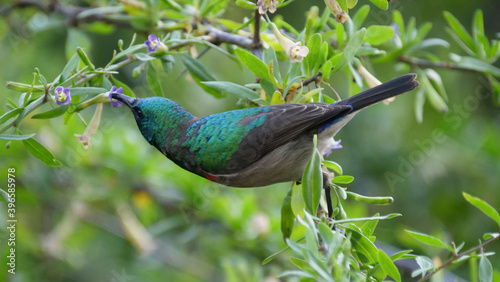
{"x":459,"y":30}
{"x":429,"y":240}
{"x":40,"y":152}
{"x":254,"y":64}
{"x":350,"y":50}
{"x":484,"y":207}
{"x":312,"y":181}
{"x":382,"y":4}
{"x":388,"y":266}
{"x":57,"y":111}
{"x":16,"y":137}
{"x":154,"y":79}
{"x":287,"y":216}
{"x":485,"y":269}
{"x":233,"y":89}
{"x":10,"y":114}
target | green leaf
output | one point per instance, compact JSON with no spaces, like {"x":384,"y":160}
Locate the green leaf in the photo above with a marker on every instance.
{"x":302,"y":264}
{"x":57,"y":111}
{"x":40,"y":152}
{"x":402,"y":255}
{"x":154,"y":77}
{"x":350,"y":50}
{"x":270,"y":56}
{"x":271,"y":257}
{"x":255,"y":65}
{"x":144,"y":57}
{"x":16,"y":137}
{"x":388,"y":266}
{"x":378,"y":34}
{"x":490,"y":235}
{"x":369,"y":227}
{"x":233,"y":89}
{"x":333,"y":166}
{"x":485,"y":269}
{"x":200,"y":73}
{"x":287,"y":216}
{"x":434,"y":98}
{"x":326,"y":232}
{"x":246,"y":4}
{"x":477,"y":65}
{"x":483,"y":206}
{"x":382,"y":4}
{"x":277,"y":98}
{"x":29,"y":108}
{"x":343,"y":5}
{"x":326,"y":69}
{"x":351,"y":3}
{"x":459,"y":30}
{"x":360,"y":16}
{"x":313,"y":58}
{"x":77,"y":91}
{"x":429,"y":240}
{"x":363,"y":246}
{"x":10,"y":114}
{"x":343,"y":179}
{"x":70,"y":66}
{"x":298,"y":203}
{"x":312,"y":180}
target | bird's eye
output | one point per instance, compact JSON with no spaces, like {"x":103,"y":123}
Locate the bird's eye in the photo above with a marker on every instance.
{"x":139,"y":114}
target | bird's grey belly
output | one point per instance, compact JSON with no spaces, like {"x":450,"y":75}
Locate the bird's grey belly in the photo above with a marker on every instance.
{"x":285,"y":163}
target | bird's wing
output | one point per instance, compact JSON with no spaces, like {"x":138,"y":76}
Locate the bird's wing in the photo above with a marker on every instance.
{"x":266,"y":129}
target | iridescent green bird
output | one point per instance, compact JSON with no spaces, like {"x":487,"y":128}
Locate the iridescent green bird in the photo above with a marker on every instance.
{"x":255,"y":146}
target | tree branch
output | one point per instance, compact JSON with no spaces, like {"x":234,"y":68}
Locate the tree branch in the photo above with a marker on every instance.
{"x":70,"y":13}
{"x":220,"y":36}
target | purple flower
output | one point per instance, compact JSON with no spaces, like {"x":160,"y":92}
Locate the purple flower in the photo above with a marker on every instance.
{"x":63,"y":95}
{"x":154,"y":44}
{"x":267,"y":4}
{"x":335,"y":145}
{"x":115,"y":103}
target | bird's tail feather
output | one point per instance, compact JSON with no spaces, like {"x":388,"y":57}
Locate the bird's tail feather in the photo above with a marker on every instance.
{"x":386,"y":90}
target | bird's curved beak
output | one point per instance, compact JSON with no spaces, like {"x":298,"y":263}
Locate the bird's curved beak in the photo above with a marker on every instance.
{"x":129,"y":101}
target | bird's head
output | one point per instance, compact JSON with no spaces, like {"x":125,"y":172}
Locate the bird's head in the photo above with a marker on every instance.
{"x":154,"y":115}
{"x":141,"y":108}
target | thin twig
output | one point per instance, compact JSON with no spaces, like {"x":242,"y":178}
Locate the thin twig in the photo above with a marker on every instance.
{"x":431,"y":64}
{"x":316,"y":78}
{"x":457,"y":256}
{"x":257,"y":45}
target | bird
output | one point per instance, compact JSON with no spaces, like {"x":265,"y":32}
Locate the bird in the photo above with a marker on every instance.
{"x":251,"y":147}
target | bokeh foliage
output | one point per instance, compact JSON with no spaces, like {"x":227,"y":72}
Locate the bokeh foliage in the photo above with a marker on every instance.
{"x":99,"y":214}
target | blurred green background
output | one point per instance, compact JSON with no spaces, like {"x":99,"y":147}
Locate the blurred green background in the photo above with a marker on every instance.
{"x":79,"y":222}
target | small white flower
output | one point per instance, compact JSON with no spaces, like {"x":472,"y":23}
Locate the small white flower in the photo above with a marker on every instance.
{"x":340,"y":15}
{"x":294,"y":50}
{"x":91,"y":129}
{"x":267,"y":4}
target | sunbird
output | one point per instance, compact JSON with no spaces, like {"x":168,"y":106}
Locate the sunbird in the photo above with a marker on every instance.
{"x":251,"y":147}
